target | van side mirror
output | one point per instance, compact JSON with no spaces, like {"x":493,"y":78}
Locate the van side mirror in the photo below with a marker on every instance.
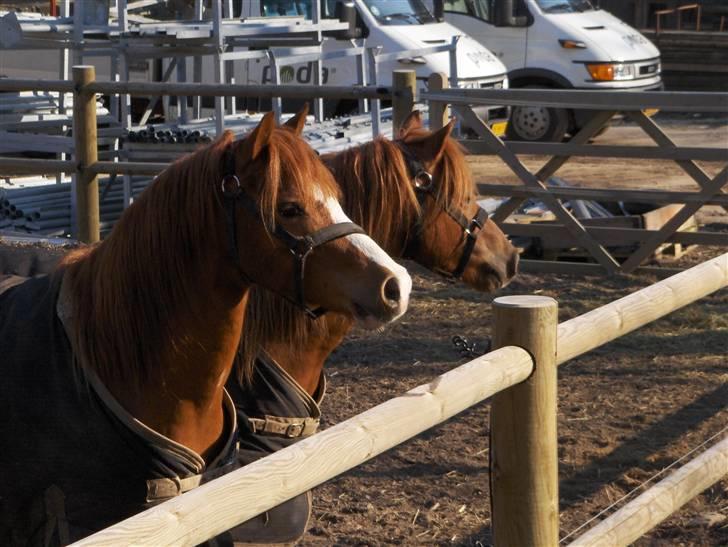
{"x":438,"y":10}
{"x":346,"y":13}
{"x":503,"y":15}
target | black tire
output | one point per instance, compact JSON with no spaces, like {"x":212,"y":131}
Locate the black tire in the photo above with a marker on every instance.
{"x":537,"y":124}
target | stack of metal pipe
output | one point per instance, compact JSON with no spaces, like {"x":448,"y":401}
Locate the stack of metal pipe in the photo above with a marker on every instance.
{"x":47,"y":209}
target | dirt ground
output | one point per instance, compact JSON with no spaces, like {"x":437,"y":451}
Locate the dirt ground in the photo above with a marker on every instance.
{"x":626,"y":410}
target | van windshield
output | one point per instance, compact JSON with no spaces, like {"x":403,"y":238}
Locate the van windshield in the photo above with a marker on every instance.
{"x":399,"y":12}
{"x":564,"y":6}
{"x":296,"y":8}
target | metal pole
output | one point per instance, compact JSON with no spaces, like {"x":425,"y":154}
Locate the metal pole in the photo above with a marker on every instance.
{"x":523,"y":452}
{"x":86,"y":153}
{"x":217,"y":33}
{"x":375,"y":104}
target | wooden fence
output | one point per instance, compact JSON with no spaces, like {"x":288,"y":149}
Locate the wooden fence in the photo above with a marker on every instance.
{"x":525,"y":496}
{"x":603,"y":106}
{"x":520,"y":374}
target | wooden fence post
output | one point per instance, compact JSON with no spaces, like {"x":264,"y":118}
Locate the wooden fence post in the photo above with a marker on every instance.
{"x":524,"y":458}
{"x":85,"y":154}
{"x":439,"y":112}
{"x":403,"y":97}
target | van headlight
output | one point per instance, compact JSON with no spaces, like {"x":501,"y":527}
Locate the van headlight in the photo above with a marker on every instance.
{"x":608,"y":72}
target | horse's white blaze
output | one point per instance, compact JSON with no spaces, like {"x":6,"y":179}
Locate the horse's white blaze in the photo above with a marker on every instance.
{"x":369,"y":248}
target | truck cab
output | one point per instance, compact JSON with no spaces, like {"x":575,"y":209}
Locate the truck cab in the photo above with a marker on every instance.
{"x":567,"y":44}
{"x":393,"y":25}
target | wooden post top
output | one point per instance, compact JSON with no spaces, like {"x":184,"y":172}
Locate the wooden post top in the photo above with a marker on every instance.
{"x":524,"y":301}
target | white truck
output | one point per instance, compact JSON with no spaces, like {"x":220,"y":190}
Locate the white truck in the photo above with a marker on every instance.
{"x":566,"y":44}
{"x":393,"y":25}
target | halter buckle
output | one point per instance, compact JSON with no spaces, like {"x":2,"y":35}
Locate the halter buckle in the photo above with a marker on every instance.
{"x":423,"y":181}
{"x":228,"y":189}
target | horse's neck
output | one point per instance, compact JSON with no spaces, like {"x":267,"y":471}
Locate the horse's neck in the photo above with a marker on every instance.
{"x":184,"y":401}
{"x":306,"y":361}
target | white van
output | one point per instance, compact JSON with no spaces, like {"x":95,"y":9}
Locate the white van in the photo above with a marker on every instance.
{"x":557,"y":44}
{"x":393,"y":25}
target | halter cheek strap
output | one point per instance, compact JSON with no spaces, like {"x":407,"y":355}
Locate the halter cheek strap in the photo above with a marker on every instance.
{"x":299,"y":246}
{"x":424,"y":186}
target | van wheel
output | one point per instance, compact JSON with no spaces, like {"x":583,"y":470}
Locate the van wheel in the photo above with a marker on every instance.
{"x":537,"y":123}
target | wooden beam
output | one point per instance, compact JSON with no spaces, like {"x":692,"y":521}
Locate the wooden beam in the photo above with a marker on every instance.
{"x":404,"y":83}
{"x":553,"y":165}
{"x":238,"y":496}
{"x":580,"y":235}
{"x":438,"y":113}
{"x":581,"y":269}
{"x":600,"y":194}
{"x":672,"y":225}
{"x":86,"y":188}
{"x":652,"y":507}
{"x":613,"y":237}
{"x":599,"y":326}
{"x":658,"y":135}
{"x":524,"y":479}
{"x":685,"y":153}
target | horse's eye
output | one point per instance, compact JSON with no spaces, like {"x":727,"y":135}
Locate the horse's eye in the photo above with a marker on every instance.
{"x":290,"y":210}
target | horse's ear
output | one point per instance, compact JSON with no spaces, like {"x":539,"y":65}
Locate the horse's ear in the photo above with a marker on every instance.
{"x":258,"y":139}
{"x":434,"y":144}
{"x":412,"y":121}
{"x":298,"y":121}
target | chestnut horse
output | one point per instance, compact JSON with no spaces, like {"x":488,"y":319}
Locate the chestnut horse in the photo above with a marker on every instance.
{"x":416,"y":198}
{"x":114,"y":366}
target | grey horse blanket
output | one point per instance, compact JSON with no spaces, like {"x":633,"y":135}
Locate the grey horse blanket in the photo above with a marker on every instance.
{"x":73,"y":460}
{"x":274,"y":412}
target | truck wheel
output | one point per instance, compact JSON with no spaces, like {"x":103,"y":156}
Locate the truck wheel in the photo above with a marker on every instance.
{"x":537,"y":123}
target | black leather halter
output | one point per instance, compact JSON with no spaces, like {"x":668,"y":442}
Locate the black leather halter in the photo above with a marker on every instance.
{"x":300,"y":246}
{"x":424,"y":186}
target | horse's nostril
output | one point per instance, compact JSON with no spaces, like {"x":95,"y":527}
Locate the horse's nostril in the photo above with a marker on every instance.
{"x":392,"y":295}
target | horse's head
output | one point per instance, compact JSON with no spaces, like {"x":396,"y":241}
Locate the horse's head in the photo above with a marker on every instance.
{"x":278,"y":194}
{"x":454,"y":235}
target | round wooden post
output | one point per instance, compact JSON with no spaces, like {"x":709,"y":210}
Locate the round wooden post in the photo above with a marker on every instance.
{"x":524,"y":459}
{"x":439,"y":112}
{"x":86,"y":153}
{"x":403,"y":97}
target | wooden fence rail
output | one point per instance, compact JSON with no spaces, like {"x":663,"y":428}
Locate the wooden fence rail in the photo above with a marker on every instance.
{"x":652,"y":507}
{"x":225,"y":502}
{"x":603,"y":106}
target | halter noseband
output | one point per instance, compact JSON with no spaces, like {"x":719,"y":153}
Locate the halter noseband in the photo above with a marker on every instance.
{"x":300,"y":246}
{"x":424,"y":183}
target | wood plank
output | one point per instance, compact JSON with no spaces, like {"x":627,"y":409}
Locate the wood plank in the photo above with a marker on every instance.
{"x":695,"y":153}
{"x":672,"y":225}
{"x":599,"y":194}
{"x":583,"y":136}
{"x":606,"y":323}
{"x":529,"y":179}
{"x":659,"y":136}
{"x":659,"y":502}
{"x":580,"y":269}
{"x":614,"y":236}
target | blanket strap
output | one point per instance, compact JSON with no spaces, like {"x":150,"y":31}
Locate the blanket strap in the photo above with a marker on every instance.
{"x":291,"y":428}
